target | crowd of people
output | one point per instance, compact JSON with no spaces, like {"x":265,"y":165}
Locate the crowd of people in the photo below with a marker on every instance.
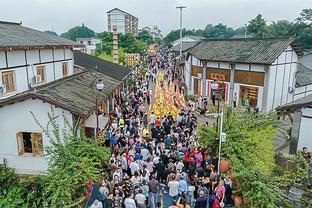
{"x":156,"y":161}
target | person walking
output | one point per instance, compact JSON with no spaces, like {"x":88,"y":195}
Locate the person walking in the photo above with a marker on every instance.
{"x":154,"y":188}
{"x":235,"y":100}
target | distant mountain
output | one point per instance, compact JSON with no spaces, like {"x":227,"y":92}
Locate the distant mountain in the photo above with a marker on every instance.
{"x":78,"y":32}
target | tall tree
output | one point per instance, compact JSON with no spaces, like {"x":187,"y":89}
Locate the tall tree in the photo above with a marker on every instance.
{"x":257,"y":26}
{"x":146,"y":37}
{"x":78,"y":32}
{"x":303,"y":29}
{"x":218,"y":31}
{"x":280,"y":28}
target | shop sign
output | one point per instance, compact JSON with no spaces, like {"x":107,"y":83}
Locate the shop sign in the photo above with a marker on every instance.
{"x":216,"y":76}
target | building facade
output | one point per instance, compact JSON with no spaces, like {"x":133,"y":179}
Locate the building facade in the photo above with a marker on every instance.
{"x":26,"y":127}
{"x":259,"y":72}
{"x":124,"y":22}
{"x":89,"y":43}
{"x":29,"y":58}
{"x":38,"y":82}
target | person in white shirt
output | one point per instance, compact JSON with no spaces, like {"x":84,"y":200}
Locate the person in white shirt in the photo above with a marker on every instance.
{"x":173,"y":188}
{"x":140,"y":199}
{"x":97,"y":204}
{"x":129,"y":202}
{"x":134,"y":166}
{"x":156,"y":159}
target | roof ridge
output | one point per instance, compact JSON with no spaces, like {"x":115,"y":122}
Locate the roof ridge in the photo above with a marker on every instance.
{"x":242,"y":39}
{"x":10,"y":23}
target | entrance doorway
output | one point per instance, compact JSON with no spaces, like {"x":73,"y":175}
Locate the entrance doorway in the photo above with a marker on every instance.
{"x":224,"y":93}
{"x":248,"y":96}
{"x":197,"y":87}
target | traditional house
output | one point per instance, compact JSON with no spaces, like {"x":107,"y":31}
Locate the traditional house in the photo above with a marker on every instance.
{"x":29,"y":58}
{"x":300,"y":114}
{"x":259,"y":71}
{"x":38,"y":79}
{"x":85,"y":62}
{"x":73,"y":102}
{"x":89,"y":43}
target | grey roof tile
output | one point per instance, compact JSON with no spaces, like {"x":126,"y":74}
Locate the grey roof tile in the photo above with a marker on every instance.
{"x":249,"y":50}
{"x":110,"y":69}
{"x":75,"y":93}
{"x":14,"y":35}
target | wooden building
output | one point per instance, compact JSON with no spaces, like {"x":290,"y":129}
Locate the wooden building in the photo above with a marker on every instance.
{"x":259,"y":71}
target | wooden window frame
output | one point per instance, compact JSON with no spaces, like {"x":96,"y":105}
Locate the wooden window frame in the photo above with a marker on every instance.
{"x":9,"y":88}
{"x":41,"y":72}
{"x":36,"y":142}
{"x":65,"y":69}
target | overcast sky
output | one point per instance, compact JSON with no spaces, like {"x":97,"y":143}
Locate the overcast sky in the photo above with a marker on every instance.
{"x":60,"y":15}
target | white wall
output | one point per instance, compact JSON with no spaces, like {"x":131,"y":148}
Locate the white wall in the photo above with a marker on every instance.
{"x":17,"y":62}
{"x":281,"y":75}
{"x":305,"y":139}
{"x":300,"y":92}
{"x":17,"y":118}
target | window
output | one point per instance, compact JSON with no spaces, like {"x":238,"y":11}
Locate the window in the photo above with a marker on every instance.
{"x":29,"y":143}
{"x":8,"y":81}
{"x":41,"y":73}
{"x":65,"y":69}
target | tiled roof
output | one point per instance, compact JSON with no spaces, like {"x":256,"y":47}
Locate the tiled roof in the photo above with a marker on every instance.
{"x":249,"y":50}
{"x":110,"y":69}
{"x":302,"y":102}
{"x":74,"y":93}
{"x":185,"y":46}
{"x":14,"y":36}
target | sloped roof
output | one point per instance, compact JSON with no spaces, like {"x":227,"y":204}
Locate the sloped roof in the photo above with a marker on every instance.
{"x":121,"y":11}
{"x":185,"y":46}
{"x":303,"y":75}
{"x":16,"y":36}
{"x":247,"y":50}
{"x":302,"y":102}
{"x":74,"y":93}
{"x":195,"y":37}
{"x":110,"y":69}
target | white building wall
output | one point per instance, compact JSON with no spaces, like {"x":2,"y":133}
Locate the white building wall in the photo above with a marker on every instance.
{"x":281,"y":75}
{"x":16,"y":58}
{"x":2,"y":59}
{"x":34,"y":58}
{"x":17,"y":118}
{"x":305,"y":139}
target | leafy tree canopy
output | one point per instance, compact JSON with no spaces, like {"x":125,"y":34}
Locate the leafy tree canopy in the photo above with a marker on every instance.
{"x":146,"y":37}
{"x":301,"y":28}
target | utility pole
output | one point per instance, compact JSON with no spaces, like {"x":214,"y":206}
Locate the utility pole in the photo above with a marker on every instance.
{"x":181,"y":8}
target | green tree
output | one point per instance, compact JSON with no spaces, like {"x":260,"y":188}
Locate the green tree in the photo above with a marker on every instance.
{"x":257,"y":26}
{"x":218,"y":31}
{"x":280,"y":28}
{"x":146,"y":37}
{"x":105,"y":36}
{"x":303,"y":29}
{"x":78,"y":32}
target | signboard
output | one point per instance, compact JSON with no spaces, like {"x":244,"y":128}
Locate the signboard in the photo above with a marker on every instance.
{"x":216,"y":76}
{"x":199,"y":75}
